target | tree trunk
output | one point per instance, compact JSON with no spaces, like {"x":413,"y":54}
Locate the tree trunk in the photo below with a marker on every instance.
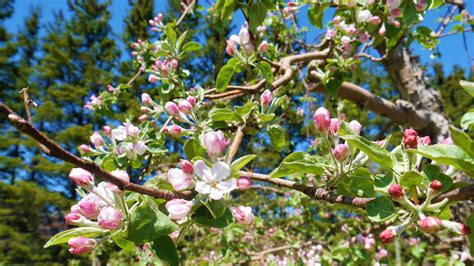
{"x":409,"y":78}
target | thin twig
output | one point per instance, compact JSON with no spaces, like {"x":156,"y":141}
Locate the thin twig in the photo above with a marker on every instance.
{"x":235,"y":144}
{"x":189,"y":7}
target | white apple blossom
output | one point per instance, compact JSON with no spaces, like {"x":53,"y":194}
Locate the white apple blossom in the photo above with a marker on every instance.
{"x":212,"y":180}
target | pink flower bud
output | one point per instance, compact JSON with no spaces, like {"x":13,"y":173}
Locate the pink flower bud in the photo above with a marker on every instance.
{"x":178,"y":208}
{"x":243,"y":215}
{"x":174,"y":236}
{"x":172,"y":108}
{"x":436,"y":185}
{"x":81,"y":177}
{"x":184,"y":106}
{"x":186,"y":166}
{"x":153,"y":78}
{"x":158,"y":64}
{"x":430,"y":224}
{"x":356,"y":126}
{"x":410,"y":138}
{"x":420,"y":6}
{"x":447,"y":141}
{"x":73,"y":218}
{"x":388,"y":235}
{"x":85,"y":148}
{"x":191,"y":100}
{"x":266,"y":98}
{"x":322,"y":119}
{"x":165,"y":70}
{"x":174,"y":130}
{"x":97,"y":139}
{"x":143,"y":118}
{"x":334,"y":125}
{"x":340,"y":152}
{"x":174,"y":64}
{"x":107,"y":130}
{"x":424,"y":140}
{"x":249,"y":48}
{"x":109,"y":218}
{"x":89,"y":207}
{"x":395,"y":191}
{"x":375,"y":20}
{"x":244,"y":183}
{"x":144,"y":109}
{"x":215,"y":142}
{"x":336,"y":20}
{"x":395,"y":13}
{"x":263,"y":47}
{"x":244,"y":35}
{"x":382,"y":30}
{"x":152,"y":22}
{"x":229,"y":49}
{"x":179,"y":179}
{"x":146,"y":99}
{"x":380,"y":143}
{"x":159,"y":17}
{"x":81,"y":245}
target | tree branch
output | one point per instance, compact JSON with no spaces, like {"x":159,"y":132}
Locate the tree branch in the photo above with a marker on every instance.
{"x":57,"y":151}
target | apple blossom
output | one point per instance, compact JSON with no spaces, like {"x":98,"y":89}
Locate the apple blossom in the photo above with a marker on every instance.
{"x":81,"y":245}
{"x":388,"y":235}
{"x":364,"y":16}
{"x":172,"y":108}
{"x":244,"y":183}
{"x":322,"y":119}
{"x":119,"y":133}
{"x":109,"y":218}
{"x":174,"y":64}
{"x":375,"y":20}
{"x":107,"y":130}
{"x":424,"y":140}
{"x":186,"y":166}
{"x":266,"y":98}
{"x":430,"y":224}
{"x":132,"y":131}
{"x":173,"y":130}
{"x":334,"y":125}
{"x":73,"y":218}
{"x":263,"y":47}
{"x":244,"y":36}
{"x":97,"y":139}
{"x":395,"y":191}
{"x":81,"y":177}
{"x":340,"y":152}
{"x":356,"y":126}
{"x":212,"y":181}
{"x":153,"y":78}
{"x":178,"y":208}
{"x":85,"y":148}
{"x":185,"y":106}
{"x":191,"y":100}
{"x":214,"y":142}
{"x":146,"y":99}
{"x":243,"y":215}
{"x":179,"y":179}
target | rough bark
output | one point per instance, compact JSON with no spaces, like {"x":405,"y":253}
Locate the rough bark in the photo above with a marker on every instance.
{"x":406,"y":73}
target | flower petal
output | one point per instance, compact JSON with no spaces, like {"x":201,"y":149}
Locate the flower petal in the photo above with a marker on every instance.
{"x":227,"y":186}
{"x":199,"y":167}
{"x":203,"y":187}
{"x":216,"y":194}
{"x":220,"y":171}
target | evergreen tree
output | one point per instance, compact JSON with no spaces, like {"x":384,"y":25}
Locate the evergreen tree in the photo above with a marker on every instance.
{"x":79,"y":59}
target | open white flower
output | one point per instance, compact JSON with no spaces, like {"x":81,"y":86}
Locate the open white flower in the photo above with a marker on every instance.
{"x":212,"y":180}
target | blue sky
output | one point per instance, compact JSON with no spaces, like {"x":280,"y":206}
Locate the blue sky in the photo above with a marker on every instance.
{"x":451,"y":48}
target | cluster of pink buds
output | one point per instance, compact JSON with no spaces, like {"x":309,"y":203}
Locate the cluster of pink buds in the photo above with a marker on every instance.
{"x":244,"y":41}
{"x":156,"y":22}
{"x":94,"y":103}
{"x":99,"y":208}
{"x":411,"y":139}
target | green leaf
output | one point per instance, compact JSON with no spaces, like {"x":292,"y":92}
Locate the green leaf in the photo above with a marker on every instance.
{"x":383,"y":182}
{"x":372,"y":150}
{"x":242,"y":161}
{"x":298,"y":163}
{"x":266,"y":71}
{"x":203,"y":217}
{"x":333,"y":85}
{"x":123,"y":243}
{"x":468,"y":86}
{"x":180,"y":40}
{"x":380,"y":209}
{"x":410,"y":179}
{"x":64,"y":236}
{"x":193,"y":148}
{"x":345,"y":129}
{"x":245,"y":109}
{"x":359,"y":183}
{"x":216,"y":208}
{"x":448,"y":154}
{"x":402,"y":161}
{"x":191,"y":47}
{"x":148,"y":223}
{"x":165,"y":249}
{"x":224,"y":77}
{"x":462,"y":140}
{"x":467,"y":120}
{"x":257,"y":14}
{"x":228,"y":8}
{"x":171,"y":34}
{"x":470,"y":223}
{"x":223,"y":114}
{"x":277,"y":136}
